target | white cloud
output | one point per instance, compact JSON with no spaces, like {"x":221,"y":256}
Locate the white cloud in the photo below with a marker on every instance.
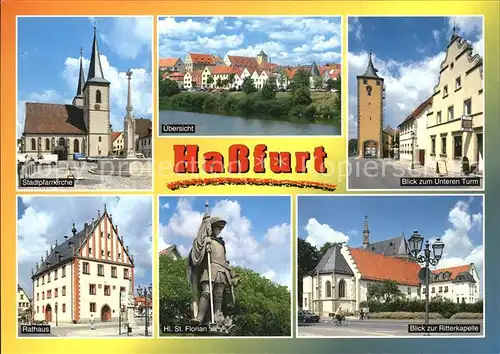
{"x":47,"y":219}
{"x":247,"y":36}
{"x":166,"y":206}
{"x":459,"y":247}
{"x":437,"y":36}
{"x":141,"y":88}
{"x":139,"y":31}
{"x":170,"y":27}
{"x":268,"y":254}
{"x":356,"y":26}
{"x":319,"y":234}
{"x":211,"y":44}
{"x":466,"y":25}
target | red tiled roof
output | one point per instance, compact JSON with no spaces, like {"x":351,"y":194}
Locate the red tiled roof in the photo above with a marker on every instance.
{"x":195,"y":76}
{"x":176,"y":76}
{"x":268,"y":66}
{"x":418,"y":111}
{"x":115,"y":135}
{"x":244,"y":62}
{"x":141,"y":126}
{"x":141,"y":300}
{"x":167,"y":62}
{"x":49,"y":118}
{"x":453,"y":270}
{"x":375,"y":266}
{"x":198,"y":58}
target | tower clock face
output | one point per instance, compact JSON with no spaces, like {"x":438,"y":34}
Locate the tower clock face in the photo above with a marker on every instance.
{"x":97,"y":107}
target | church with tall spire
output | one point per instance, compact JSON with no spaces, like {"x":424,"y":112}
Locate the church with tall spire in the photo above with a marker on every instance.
{"x":370,"y":112}
{"x":82,"y":127}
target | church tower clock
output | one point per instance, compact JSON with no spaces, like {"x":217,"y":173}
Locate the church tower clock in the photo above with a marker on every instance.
{"x":96,"y":106}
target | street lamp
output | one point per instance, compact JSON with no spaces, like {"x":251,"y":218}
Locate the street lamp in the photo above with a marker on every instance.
{"x":147,"y":292}
{"x":412,"y":150}
{"x":57,"y":322}
{"x":415,"y":244}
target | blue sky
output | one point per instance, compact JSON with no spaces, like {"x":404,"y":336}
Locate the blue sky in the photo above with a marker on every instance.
{"x":43,"y":220}
{"x":257,"y":233}
{"x":409,"y":62}
{"x":287,"y":41}
{"x":49,"y":52}
{"x":457,"y":220}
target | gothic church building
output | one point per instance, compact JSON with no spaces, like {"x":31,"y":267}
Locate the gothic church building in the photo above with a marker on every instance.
{"x":81,"y":127}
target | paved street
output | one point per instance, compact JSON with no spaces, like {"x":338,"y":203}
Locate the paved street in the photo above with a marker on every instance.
{"x":86,"y":180}
{"x":107,"y":329}
{"x":387,"y":174}
{"x":373,"y":327}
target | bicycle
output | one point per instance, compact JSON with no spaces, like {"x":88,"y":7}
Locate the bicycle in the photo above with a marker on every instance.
{"x":339,"y":321}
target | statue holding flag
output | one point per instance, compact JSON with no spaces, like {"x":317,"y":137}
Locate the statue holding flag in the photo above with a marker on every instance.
{"x":210,"y":274}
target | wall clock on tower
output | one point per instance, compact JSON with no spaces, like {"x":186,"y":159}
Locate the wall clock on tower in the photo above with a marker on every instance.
{"x":97,"y":106}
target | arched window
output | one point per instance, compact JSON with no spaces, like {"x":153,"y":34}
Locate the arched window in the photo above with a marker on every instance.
{"x":33,"y":144}
{"x":47,"y":144}
{"x":100,"y":139}
{"x":342,"y":287}
{"x":98,"y":96}
{"x":76,"y":146}
{"x":61,"y":142}
{"x":328,"y":287}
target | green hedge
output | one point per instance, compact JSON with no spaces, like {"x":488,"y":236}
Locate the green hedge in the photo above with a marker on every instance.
{"x":445,"y":307}
{"x":467,"y":316}
{"x":405,"y":315}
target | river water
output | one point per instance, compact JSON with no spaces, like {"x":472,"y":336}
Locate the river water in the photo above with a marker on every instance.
{"x":212,"y":124}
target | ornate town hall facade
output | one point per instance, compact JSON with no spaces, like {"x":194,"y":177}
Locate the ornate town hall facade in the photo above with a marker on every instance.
{"x":84,"y":276}
{"x":80,"y":127}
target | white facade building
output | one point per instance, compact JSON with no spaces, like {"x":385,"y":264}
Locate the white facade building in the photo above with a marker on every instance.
{"x":82,"y":277}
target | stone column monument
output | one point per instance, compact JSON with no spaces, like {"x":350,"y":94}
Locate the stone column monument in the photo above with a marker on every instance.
{"x":129,"y":124}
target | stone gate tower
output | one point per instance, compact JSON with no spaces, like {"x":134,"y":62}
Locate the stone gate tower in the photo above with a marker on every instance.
{"x":370,"y":112}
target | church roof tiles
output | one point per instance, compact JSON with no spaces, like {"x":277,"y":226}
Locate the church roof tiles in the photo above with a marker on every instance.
{"x":378,"y":267}
{"x":50,"y":118}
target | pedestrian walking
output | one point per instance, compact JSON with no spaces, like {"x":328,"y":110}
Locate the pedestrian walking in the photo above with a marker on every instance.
{"x":92,"y":323}
{"x":361,"y":314}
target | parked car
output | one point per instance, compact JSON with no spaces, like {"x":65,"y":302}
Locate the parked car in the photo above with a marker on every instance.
{"x":79,"y":157}
{"x":305,"y":316}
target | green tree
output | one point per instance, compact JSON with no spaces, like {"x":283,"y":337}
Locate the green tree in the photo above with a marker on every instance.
{"x":301,"y":79}
{"x":248,"y":85}
{"x":210,"y":81}
{"x":219,"y":83}
{"x":352,"y":146}
{"x":268,"y":91}
{"x":302,"y":96}
{"x":262,"y":307}
{"x":330,"y":84}
{"x":168,"y":88}
{"x":307,"y":259}
{"x":175,"y":293}
{"x":318,"y":82}
{"x":337,"y":84}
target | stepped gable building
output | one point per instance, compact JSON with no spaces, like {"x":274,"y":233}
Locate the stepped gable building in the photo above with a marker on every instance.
{"x":371,"y":95}
{"x":84,"y":275}
{"x":80,"y":127}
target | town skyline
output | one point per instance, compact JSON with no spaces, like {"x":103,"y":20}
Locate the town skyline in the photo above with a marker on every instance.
{"x":286,"y":40}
